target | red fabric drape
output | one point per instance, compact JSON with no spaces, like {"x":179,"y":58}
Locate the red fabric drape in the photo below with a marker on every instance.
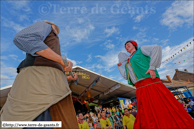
{"x":158,"y":108}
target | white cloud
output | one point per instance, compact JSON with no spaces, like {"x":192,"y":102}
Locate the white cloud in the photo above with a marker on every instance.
{"x":169,"y":69}
{"x":90,"y":67}
{"x":164,"y":42}
{"x":80,"y":20}
{"x":20,"y":5}
{"x":111,"y":31}
{"x":99,"y":66}
{"x":185,"y":58}
{"x":168,"y":51}
{"x":125,"y":81}
{"x":3,"y":77}
{"x":5,"y":80}
{"x":155,"y":40}
{"x":139,"y":28}
{"x":14,"y":57}
{"x":65,"y":44}
{"x":89,"y":58}
{"x":4,"y":58}
{"x":190,"y":68}
{"x":109,"y":60}
{"x":118,"y":78}
{"x":20,"y":9}
{"x":134,"y":28}
{"x":11,"y":71}
{"x":37,"y":20}
{"x":138,"y":18}
{"x":108,"y":44}
{"x":79,"y":62}
{"x":179,"y":13}
{"x":11,"y":24}
{"x":79,"y":33}
{"x":73,"y":61}
{"x":8,"y":74}
{"x":141,"y":37}
{"x":23,"y":17}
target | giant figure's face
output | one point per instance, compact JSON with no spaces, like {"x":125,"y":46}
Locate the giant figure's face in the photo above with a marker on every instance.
{"x":129,"y":47}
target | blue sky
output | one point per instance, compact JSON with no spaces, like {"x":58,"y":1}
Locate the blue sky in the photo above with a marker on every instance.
{"x":92,"y":33}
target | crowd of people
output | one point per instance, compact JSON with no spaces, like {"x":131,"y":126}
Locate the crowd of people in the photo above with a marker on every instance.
{"x":115,"y":118}
{"x":44,"y":67}
{"x":107,"y":118}
{"x":188,"y":105}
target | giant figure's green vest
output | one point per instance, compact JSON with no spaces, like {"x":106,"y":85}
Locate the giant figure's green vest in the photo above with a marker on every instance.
{"x":140,"y":64}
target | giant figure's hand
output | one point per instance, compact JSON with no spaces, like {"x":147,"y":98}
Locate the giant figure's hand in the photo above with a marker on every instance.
{"x":119,"y":64}
{"x":71,"y":78}
{"x":69,"y":67}
{"x":152,"y":73}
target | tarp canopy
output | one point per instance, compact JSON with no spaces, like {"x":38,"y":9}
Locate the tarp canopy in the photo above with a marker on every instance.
{"x":99,"y":86}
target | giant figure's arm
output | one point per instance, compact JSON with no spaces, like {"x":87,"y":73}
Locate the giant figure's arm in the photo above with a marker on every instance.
{"x":155,"y":52}
{"x":122,"y":72}
{"x":122,"y":57}
{"x":51,"y":55}
{"x":30,"y":39}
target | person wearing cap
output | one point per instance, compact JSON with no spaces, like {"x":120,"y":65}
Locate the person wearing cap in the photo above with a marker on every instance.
{"x":105,"y":122}
{"x":40,"y":91}
{"x":156,"y":105}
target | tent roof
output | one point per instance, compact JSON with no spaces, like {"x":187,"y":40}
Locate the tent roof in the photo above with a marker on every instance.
{"x":103,"y":85}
